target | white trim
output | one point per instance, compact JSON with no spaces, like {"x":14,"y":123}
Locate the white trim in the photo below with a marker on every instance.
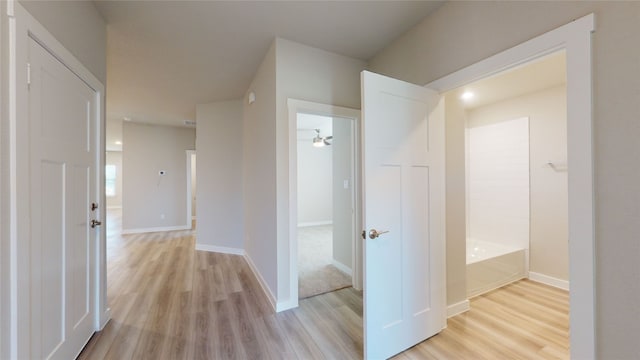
{"x":315,"y":223}
{"x":189,"y":215}
{"x":114,"y":207}
{"x":575,"y":39}
{"x":155,"y":229}
{"x":548,"y":280}
{"x":220,"y":249}
{"x":261,"y":281}
{"x":458,"y":308}
{"x":342,"y":267}
{"x":294,"y":107}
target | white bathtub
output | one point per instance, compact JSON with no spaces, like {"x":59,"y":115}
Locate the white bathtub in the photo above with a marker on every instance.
{"x":490,"y":266}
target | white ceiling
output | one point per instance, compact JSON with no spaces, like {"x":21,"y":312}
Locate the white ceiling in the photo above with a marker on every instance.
{"x":540,"y":74}
{"x":164,"y":57}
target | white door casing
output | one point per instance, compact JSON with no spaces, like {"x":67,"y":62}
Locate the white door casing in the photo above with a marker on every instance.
{"x":404,"y":274}
{"x":63,"y":124}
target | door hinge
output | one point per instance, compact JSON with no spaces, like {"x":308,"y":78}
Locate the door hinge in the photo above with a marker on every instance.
{"x":28,"y":75}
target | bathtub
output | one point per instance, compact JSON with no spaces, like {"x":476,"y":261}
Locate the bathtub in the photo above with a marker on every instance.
{"x":490,"y":266}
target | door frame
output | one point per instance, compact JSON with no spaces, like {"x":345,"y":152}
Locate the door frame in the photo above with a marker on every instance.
{"x":575,"y":39}
{"x":300,"y":106}
{"x":21,"y":26}
{"x":190,"y":218}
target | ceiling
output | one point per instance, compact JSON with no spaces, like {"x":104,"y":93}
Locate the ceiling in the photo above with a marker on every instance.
{"x":538,"y":75}
{"x":164,"y":57}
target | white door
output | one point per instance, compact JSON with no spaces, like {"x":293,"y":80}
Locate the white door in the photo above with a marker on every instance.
{"x":404,"y":274}
{"x":63,"y":127}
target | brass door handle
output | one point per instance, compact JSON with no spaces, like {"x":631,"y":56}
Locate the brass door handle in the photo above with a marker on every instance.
{"x":373,"y":233}
{"x":95,"y":223}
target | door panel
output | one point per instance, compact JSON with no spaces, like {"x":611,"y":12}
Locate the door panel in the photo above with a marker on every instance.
{"x":63,"y":125}
{"x":403,"y":149}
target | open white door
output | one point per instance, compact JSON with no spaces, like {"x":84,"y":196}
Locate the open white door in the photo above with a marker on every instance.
{"x":63,"y":137}
{"x":404,"y":266}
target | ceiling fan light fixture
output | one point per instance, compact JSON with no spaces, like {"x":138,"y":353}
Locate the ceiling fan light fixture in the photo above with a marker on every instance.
{"x":319,"y":142}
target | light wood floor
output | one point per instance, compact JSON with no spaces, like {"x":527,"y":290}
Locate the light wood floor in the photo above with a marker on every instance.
{"x":171,"y":302}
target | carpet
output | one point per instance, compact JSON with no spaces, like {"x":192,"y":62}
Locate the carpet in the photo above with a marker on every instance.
{"x":316,"y":274}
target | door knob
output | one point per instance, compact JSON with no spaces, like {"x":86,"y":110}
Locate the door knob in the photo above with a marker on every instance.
{"x":373,"y":233}
{"x":95,"y":223}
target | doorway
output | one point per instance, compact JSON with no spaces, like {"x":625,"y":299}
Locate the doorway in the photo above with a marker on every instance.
{"x":575,"y":39}
{"x":516,"y":175}
{"x":334,"y":158}
{"x":325,"y":203}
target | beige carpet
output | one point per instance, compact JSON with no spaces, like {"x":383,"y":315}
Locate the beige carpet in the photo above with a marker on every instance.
{"x":316,"y":274}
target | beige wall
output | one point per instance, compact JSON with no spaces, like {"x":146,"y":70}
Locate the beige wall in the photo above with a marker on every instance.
{"x":259,"y":171}
{"x":219,"y":175}
{"x":151,"y":201}
{"x":79,"y":27}
{"x":455,"y":198}
{"x":461,"y":33}
{"x":115,"y":158}
{"x":546,"y":110}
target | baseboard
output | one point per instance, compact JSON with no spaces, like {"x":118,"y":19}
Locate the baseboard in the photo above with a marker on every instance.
{"x":220,"y":249}
{"x":342,"y":267}
{"x":548,"y":280}
{"x":458,"y":308}
{"x":315,"y":223}
{"x":263,"y":284}
{"x":155,"y":229}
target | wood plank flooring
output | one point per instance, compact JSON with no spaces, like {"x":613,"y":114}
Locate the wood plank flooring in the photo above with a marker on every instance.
{"x":171,"y":302}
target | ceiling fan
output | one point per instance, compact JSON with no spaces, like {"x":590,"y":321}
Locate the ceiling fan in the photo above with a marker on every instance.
{"x":321,"y":141}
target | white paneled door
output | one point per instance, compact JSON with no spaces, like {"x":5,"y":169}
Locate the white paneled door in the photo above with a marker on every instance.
{"x":403,"y":150}
{"x":63,"y":141}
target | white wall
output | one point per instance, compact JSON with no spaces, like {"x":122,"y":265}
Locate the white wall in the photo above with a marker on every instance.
{"x":461,"y":33}
{"x":151,"y":202}
{"x":498,"y":181}
{"x":115,"y":158}
{"x":219,"y":176}
{"x":343,"y":206}
{"x":315,"y":179}
{"x":549,"y":249}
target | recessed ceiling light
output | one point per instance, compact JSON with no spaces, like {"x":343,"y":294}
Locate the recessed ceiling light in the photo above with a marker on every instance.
{"x":118,"y":142}
{"x":126,"y":118}
{"x":467,"y":95}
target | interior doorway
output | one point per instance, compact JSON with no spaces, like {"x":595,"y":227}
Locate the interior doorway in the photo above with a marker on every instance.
{"x":575,"y":39}
{"x":325,"y":203}
{"x":331,"y":208}
{"x":516,"y":175}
